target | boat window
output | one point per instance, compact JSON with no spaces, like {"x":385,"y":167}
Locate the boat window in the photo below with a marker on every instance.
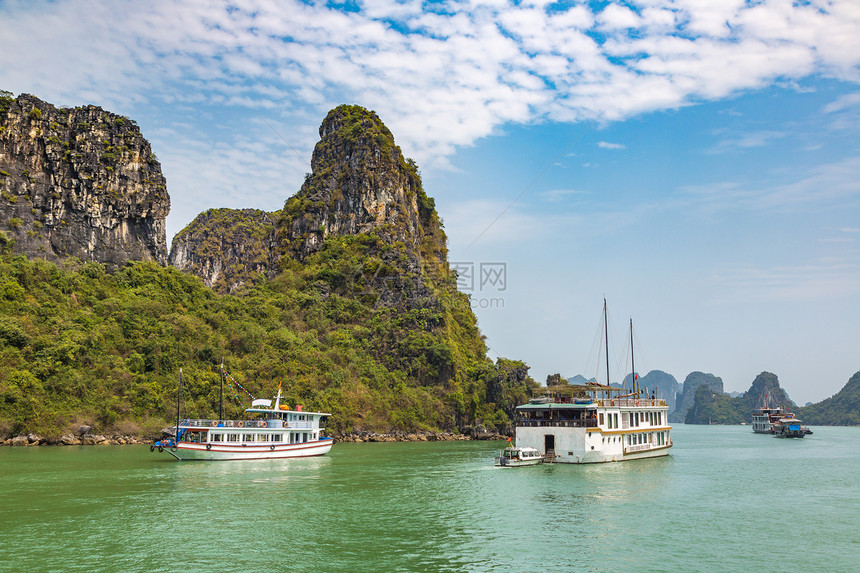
{"x":232,"y":437}
{"x":601,"y":419}
{"x":217,"y":437}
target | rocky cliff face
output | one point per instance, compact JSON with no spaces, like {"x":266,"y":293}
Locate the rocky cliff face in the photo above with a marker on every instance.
{"x":360,"y":183}
{"x":79,"y":182}
{"x":229,"y":249}
{"x":712,"y":406}
{"x":687,"y":397}
{"x":363,"y":186}
{"x":767,"y":383}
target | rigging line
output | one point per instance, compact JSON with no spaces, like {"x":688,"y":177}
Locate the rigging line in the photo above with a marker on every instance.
{"x":530,"y":185}
{"x":596,"y":346}
{"x":287,"y":143}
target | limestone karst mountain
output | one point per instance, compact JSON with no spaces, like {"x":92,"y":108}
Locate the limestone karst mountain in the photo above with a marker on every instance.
{"x":79,"y":182}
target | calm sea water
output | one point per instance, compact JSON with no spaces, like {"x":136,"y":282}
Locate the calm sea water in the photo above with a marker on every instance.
{"x":725,"y":500}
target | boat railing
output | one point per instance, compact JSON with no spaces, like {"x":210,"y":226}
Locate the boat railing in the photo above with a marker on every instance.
{"x":557,"y":423}
{"x":632,"y":402}
{"x":206,"y":423}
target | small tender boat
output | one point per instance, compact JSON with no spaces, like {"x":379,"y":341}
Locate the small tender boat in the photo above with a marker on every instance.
{"x":513,"y":457}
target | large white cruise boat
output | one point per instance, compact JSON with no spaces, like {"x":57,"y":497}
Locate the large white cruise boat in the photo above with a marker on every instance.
{"x":270,"y":431}
{"x":592,"y":423}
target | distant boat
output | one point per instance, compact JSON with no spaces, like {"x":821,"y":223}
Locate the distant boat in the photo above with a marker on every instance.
{"x":766,"y":417}
{"x":592,"y":423}
{"x":268,"y":432}
{"x":790,"y":427}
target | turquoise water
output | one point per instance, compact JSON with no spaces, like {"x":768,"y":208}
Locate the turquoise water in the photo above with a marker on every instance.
{"x":725,"y":500}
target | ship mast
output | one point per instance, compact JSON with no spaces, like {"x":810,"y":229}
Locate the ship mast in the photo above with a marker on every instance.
{"x":178,"y":395}
{"x":221,"y":394}
{"x":632,"y":362}
{"x":606,"y":332}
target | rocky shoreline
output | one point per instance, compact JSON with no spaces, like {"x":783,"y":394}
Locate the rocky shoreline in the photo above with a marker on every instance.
{"x":83,"y":437}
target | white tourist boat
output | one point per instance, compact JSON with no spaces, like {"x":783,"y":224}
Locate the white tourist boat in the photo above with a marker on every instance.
{"x":515,"y":456}
{"x":592,"y":423}
{"x":765,"y":418}
{"x":270,"y":431}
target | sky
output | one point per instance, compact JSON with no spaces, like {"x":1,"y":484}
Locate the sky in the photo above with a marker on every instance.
{"x":694,"y":162}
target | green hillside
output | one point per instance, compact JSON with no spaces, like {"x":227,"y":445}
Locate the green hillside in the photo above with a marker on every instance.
{"x":81,"y":346}
{"x":841,"y":409}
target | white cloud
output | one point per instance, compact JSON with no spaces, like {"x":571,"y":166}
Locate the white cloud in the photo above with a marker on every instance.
{"x":842,"y":103}
{"x":440,"y":76}
{"x":615,"y":17}
{"x":475,"y":66}
{"x":828,"y":187}
{"x":747,"y":140}
{"x":815,"y":281}
{"x":608,"y":145}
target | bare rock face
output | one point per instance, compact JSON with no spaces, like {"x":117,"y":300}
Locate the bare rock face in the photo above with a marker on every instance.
{"x":79,"y":182}
{"x":360,"y":183}
{"x":362,"y":186}
{"x":230,"y":249}
{"x":687,"y":397}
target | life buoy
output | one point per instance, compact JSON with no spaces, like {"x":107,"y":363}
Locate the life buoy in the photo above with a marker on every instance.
{"x":272,"y":448}
{"x":173,"y":449}
{"x":152,"y":448}
{"x":214,"y":424}
{"x":160,"y":449}
{"x":263,"y":424}
{"x":208,"y":446}
{"x":241,"y":424}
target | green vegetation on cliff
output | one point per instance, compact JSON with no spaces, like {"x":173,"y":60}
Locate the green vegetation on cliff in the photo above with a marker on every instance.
{"x":712,"y":406}
{"x":841,"y":409}
{"x":345,"y":296}
{"x":78,"y":345}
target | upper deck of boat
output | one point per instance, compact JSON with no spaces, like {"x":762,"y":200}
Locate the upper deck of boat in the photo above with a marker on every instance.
{"x":265,"y":418}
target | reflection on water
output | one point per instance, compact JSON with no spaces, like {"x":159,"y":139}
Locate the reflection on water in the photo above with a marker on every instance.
{"x":432,"y":507}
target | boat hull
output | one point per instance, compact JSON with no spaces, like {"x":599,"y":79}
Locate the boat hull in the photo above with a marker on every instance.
{"x":507,"y":463}
{"x":590,"y":445}
{"x":212,"y":452}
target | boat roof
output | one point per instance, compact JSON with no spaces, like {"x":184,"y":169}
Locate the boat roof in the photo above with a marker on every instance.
{"x":564,"y":405}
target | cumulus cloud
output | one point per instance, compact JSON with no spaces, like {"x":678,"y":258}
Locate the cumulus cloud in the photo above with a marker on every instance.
{"x":608,"y":145}
{"x":442,"y":75}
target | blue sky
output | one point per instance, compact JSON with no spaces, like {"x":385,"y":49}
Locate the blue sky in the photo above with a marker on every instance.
{"x":696,"y":162}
